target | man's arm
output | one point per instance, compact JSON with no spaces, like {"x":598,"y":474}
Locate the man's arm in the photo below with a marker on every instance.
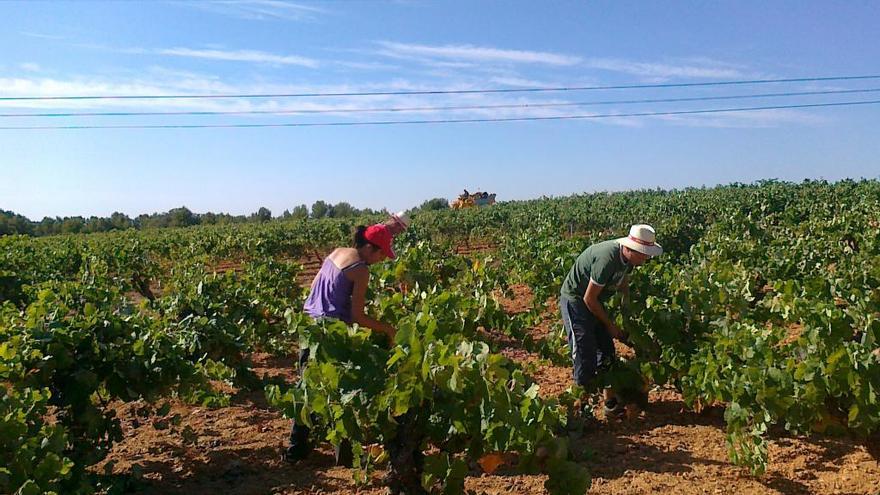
{"x":591,"y":299}
{"x":624,"y":289}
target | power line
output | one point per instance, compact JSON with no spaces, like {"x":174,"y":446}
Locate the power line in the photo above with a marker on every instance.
{"x":438,"y":92}
{"x":435,"y":108}
{"x":443,"y":121}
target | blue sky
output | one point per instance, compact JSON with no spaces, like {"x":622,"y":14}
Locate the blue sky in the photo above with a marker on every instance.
{"x":259,"y":46}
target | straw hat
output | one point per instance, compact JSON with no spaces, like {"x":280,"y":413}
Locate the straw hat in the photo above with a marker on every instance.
{"x":401,"y":218}
{"x":642,"y":238}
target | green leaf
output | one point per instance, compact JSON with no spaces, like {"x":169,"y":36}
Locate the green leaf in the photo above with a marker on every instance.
{"x":7,"y":352}
{"x":566,"y":478}
{"x":853,"y":413}
{"x":30,"y":487}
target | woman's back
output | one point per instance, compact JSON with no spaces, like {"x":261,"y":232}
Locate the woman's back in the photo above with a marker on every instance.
{"x":330,"y":295}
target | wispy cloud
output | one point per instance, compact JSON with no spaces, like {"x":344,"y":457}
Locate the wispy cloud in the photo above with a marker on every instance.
{"x":30,"y":67}
{"x":514,"y":81}
{"x":747,"y":120}
{"x":689,"y":68}
{"x":473,"y":54}
{"x":213,"y":52}
{"x":260,"y":10}
{"x":253,"y":56}
{"x":162,"y":81}
{"x":159,"y":81}
{"x":41,"y":35}
{"x":370,"y":66}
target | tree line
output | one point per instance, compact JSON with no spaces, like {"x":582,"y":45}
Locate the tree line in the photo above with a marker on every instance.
{"x":13,"y":223}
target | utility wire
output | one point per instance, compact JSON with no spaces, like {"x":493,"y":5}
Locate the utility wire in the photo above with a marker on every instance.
{"x":439,"y":92}
{"x":436,"y":108}
{"x":443,"y":121}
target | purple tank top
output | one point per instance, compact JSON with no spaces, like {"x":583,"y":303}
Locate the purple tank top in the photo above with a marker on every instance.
{"x":330,"y":296}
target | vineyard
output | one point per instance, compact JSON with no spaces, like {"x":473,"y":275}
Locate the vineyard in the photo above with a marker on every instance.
{"x":165,"y":361}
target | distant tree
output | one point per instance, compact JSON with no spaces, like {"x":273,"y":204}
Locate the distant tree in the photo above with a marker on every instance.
{"x":72,"y":225}
{"x":262,"y":215}
{"x":13,"y":223}
{"x":5,"y":224}
{"x":208,"y":218}
{"x":320,"y":209}
{"x":141,"y":221}
{"x":97,"y":224}
{"x":342,"y":210}
{"x":156,"y":221}
{"x":120,"y":221}
{"x":181,"y":217}
{"x":300,"y":212}
{"x":434,"y":204}
{"x":225,"y":218}
{"x":48,"y":226}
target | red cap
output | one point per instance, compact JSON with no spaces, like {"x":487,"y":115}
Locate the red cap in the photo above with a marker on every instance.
{"x":380,"y":236}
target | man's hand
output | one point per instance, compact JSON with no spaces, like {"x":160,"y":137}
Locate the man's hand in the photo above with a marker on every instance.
{"x":591,"y":299}
{"x":616,"y":332}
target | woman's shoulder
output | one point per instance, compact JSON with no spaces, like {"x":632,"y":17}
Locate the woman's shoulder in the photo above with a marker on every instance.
{"x":342,"y":252}
{"x":344,"y":257}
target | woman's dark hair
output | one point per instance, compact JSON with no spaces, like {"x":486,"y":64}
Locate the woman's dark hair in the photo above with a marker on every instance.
{"x":360,"y":238}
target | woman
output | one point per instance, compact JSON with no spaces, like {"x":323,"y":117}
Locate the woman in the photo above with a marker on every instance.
{"x":339,"y":292}
{"x":340,"y":287}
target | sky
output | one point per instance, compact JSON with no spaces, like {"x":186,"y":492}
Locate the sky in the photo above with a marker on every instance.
{"x":80,"y":48}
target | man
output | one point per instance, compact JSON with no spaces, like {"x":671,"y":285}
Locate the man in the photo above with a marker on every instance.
{"x":597,"y":273}
{"x":397,"y":223}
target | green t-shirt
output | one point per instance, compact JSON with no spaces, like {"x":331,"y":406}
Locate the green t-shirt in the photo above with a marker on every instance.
{"x":603,"y":263}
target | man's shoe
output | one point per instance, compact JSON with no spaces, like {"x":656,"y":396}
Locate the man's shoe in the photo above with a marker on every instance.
{"x":296,"y":452}
{"x":614,"y":408}
{"x":344,"y":455}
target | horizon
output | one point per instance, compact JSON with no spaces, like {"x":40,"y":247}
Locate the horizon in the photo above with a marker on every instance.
{"x":277,"y":215}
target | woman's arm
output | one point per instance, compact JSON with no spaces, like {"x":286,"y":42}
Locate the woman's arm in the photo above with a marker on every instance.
{"x":361,"y":278}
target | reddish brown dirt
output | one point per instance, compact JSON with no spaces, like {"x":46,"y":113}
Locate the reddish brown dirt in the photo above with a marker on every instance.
{"x":474,"y":248}
{"x":237,"y":452}
{"x":792,"y":333}
{"x":667,"y":449}
{"x":311,"y":261}
{"x":519,"y":301}
{"x":310,"y":267}
{"x":311,"y":264}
